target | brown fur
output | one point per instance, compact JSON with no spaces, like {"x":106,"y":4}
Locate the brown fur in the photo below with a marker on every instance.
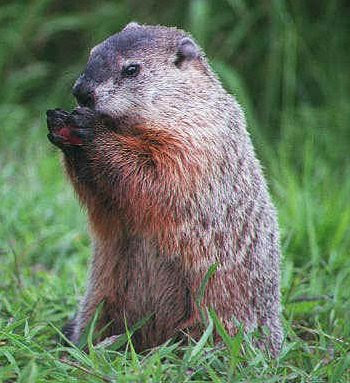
{"x":172,"y":186}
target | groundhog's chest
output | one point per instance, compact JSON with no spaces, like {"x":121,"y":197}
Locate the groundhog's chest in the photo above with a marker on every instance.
{"x":147,"y":284}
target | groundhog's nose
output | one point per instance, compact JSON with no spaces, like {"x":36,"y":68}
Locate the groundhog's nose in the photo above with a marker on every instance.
{"x":83,"y":93}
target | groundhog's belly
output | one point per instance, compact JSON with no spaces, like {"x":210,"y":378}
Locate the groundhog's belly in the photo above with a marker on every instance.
{"x":153,"y":287}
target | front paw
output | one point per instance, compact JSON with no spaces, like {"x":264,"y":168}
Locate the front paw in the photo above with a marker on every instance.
{"x":70,"y":129}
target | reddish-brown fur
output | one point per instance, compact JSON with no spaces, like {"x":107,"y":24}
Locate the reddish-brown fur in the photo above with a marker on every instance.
{"x":140,"y":212}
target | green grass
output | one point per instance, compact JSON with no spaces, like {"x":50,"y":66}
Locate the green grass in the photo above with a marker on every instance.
{"x":291,"y":75}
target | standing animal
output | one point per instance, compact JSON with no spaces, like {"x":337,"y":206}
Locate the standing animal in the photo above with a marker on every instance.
{"x":158,"y":153}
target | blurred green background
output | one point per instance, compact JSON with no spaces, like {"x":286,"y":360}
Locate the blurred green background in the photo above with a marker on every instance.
{"x":287,"y":62}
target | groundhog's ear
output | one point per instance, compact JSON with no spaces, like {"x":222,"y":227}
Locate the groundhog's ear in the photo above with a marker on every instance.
{"x":187,"y":50}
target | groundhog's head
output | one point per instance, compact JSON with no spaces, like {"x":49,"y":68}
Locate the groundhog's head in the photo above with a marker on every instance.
{"x":144,"y":70}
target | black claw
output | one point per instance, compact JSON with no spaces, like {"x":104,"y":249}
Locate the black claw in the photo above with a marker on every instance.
{"x":56,"y":118}
{"x":82,"y":117}
{"x":54,"y":139}
{"x":57,"y":141}
{"x":83,"y":133}
{"x":80,"y":124}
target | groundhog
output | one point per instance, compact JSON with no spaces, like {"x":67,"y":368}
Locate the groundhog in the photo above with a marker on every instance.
{"x":159,"y":154}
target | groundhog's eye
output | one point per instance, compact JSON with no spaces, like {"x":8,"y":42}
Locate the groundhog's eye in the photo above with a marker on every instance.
{"x":131,"y":70}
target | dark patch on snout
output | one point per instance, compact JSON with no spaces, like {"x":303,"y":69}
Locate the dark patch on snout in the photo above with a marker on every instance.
{"x":131,"y":40}
{"x":98,"y":70}
{"x":83,"y":91}
{"x":99,"y":67}
{"x":105,"y":60}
